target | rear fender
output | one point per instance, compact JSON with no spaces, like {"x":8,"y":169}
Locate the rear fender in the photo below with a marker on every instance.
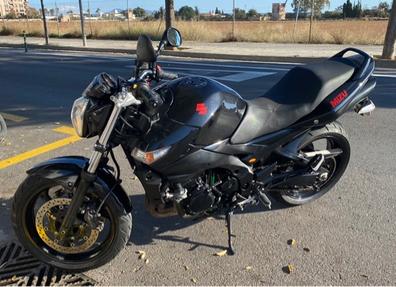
{"x":70,"y":167}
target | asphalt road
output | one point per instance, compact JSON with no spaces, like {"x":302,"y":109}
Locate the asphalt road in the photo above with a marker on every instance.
{"x":350,"y":232}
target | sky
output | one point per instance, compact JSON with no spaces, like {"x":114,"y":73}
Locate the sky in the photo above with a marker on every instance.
{"x":204,"y":6}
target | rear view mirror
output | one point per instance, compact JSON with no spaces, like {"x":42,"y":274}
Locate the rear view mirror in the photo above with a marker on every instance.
{"x":173,"y":37}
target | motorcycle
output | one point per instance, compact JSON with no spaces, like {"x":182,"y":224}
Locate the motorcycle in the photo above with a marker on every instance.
{"x":197,"y":147}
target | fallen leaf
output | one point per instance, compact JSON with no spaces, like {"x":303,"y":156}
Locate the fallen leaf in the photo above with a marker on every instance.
{"x":137,"y":269}
{"x":186,"y":267}
{"x":193,"y":280}
{"x":146,"y":261}
{"x":292,"y":242}
{"x":248,"y":267}
{"x":142,"y":254}
{"x":364,"y":275}
{"x":221,"y":253}
{"x":288,"y":269}
{"x":306,"y":249}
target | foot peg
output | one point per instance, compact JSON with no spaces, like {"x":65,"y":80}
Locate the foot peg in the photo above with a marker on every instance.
{"x":264,"y":199}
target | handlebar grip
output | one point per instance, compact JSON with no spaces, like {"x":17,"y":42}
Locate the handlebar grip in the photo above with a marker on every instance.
{"x":161,"y":74}
{"x":151,"y":99}
{"x":168,"y":76}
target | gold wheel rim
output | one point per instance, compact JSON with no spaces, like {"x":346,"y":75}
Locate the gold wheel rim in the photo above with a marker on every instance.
{"x":45,"y":212}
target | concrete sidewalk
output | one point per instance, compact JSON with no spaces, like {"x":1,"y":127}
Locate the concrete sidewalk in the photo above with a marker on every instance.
{"x":229,"y":50}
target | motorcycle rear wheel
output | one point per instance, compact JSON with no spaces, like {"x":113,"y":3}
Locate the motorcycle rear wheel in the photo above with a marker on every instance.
{"x":336,"y":137}
{"x":39,"y":239}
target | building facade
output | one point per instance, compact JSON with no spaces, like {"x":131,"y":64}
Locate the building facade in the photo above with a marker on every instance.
{"x":278,"y":11}
{"x":17,"y":7}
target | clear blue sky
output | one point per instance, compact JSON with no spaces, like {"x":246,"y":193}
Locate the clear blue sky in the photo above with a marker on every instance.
{"x":203,"y":5}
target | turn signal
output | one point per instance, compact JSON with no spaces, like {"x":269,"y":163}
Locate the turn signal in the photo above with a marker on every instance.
{"x":150,"y":156}
{"x":252,"y":160}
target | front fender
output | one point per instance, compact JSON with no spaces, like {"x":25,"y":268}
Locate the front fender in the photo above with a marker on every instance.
{"x":71,"y":166}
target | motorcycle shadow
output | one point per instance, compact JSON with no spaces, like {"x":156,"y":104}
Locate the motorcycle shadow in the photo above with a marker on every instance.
{"x":146,"y":229}
{"x":6,"y":232}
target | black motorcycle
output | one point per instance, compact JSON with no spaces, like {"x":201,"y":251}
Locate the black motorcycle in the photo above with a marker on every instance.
{"x":197,"y":147}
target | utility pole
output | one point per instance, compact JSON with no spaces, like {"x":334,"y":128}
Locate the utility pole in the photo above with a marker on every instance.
{"x":57,"y":18}
{"x":90,"y":20}
{"x":44,"y":22}
{"x":295,"y":23}
{"x":311,"y":20}
{"x":233,"y":19}
{"x":84,"y":37}
{"x":390,"y":36}
{"x":169,"y":13}
{"x":129,"y":27}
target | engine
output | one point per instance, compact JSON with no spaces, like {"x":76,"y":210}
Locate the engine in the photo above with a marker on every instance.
{"x":206,"y":193}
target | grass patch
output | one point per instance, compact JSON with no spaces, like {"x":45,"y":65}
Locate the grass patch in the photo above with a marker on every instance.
{"x":5,"y":31}
{"x":324,"y":32}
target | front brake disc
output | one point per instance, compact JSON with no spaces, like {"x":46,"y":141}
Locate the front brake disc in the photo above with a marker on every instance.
{"x":46,"y":229}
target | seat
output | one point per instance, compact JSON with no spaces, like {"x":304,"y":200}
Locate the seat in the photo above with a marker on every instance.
{"x":296,"y":95}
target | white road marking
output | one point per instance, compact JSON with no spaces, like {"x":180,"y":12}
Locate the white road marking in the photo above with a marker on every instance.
{"x":384,"y":75}
{"x":244,"y":76}
{"x":226,"y":66}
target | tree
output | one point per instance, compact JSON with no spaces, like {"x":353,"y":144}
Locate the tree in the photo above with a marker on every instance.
{"x":11,"y":15}
{"x":139,"y":12}
{"x":32,"y":13}
{"x":383,"y":6}
{"x":383,"y":9}
{"x":160,"y":13}
{"x":390,"y":36}
{"x":217,"y":11}
{"x":186,"y":13}
{"x":357,"y":10}
{"x":169,"y":13}
{"x":352,"y":11}
{"x":252,"y":13}
{"x":240,"y":14}
{"x":196,"y":10}
{"x":347,"y":9}
{"x":307,"y":5}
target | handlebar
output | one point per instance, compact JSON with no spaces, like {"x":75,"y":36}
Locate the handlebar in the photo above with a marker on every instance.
{"x":151,"y":99}
{"x":162,"y":75}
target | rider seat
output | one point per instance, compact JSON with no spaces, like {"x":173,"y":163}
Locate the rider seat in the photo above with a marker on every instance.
{"x":296,"y":95}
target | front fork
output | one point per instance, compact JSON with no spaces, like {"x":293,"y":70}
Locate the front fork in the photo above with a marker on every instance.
{"x":88,"y":175}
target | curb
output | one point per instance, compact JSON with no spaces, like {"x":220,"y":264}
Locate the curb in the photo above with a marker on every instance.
{"x":295,"y":59}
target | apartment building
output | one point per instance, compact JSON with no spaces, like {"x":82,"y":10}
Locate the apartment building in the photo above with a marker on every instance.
{"x":13,"y":6}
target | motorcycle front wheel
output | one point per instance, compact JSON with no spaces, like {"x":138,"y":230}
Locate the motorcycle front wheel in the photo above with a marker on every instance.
{"x":100,"y":231}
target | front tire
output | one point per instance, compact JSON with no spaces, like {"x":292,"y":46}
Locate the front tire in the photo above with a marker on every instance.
{"x":24,"y":217}
{"x":336,"y":137}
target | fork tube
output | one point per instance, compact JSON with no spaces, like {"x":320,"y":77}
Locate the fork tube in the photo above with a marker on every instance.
{"x":88,"y":176}
{"x":103,"y":140}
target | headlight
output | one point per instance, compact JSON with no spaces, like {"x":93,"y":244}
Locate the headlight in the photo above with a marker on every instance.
{"x":150,"y":156}
{"x":77,"y":114}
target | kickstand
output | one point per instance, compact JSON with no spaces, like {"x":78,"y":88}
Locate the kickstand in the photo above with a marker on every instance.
{"x":230,"y":250}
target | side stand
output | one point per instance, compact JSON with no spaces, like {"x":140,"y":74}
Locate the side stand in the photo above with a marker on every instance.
{"x":230,"y":250}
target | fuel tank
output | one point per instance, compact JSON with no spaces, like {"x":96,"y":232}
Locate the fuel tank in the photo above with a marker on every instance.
{"x":198,"y":112}
{"x":206,"y":104}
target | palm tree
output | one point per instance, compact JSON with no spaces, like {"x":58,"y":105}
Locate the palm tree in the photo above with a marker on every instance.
{"x":390,"y":37}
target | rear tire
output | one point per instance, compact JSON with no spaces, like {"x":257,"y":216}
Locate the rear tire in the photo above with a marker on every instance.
{"x":338,"y":135}
{"x":27,"y":234}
